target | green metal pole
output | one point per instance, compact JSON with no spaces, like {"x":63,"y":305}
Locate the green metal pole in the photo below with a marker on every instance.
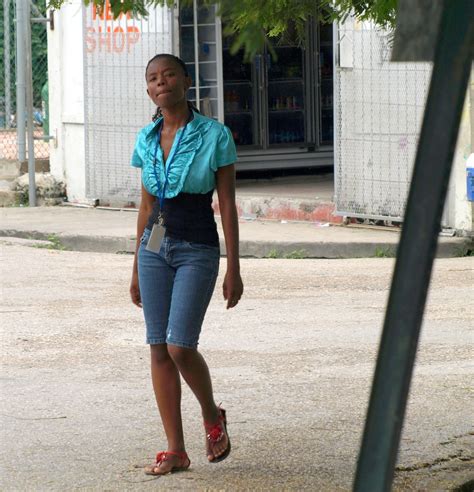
{"x":417,"y":248}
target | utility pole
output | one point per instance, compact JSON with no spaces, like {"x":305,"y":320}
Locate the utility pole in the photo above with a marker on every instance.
{"x":453,"y":40}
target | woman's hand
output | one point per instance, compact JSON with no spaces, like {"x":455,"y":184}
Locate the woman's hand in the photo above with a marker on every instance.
{"x":146,"y":207}
{"x":135,"y":290}
{"x":232,"y":288}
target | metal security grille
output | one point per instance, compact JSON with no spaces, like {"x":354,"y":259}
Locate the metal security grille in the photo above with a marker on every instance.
{"x":116,"y":103}
{"x":378,"y":115}
{"x":200,"y":42}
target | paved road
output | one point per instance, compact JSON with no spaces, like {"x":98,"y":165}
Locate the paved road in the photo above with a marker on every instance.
{"x":292,"y":364}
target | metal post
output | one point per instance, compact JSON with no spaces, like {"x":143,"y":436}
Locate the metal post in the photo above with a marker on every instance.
{"x":20,"y":78}
{"x":417,"y":248}
{"x":7,"y":62}
{"x":29,"y":110}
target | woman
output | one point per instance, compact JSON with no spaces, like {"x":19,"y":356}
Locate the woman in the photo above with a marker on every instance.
{"x":183,"y":156}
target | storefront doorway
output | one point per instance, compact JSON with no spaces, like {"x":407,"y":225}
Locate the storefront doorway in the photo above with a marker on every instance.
{"x":280,"y":111}
{"x":281,"y":103}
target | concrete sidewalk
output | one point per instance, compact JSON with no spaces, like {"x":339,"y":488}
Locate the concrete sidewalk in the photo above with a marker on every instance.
{"x":114,"y":231}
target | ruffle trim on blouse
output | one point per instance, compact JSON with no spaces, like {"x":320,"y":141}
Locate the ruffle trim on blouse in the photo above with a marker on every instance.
{"x":182,"y":158}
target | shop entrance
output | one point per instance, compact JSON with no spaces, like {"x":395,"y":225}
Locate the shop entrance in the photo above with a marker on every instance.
{"x":280,"y":111}
{"x":281,"y":104}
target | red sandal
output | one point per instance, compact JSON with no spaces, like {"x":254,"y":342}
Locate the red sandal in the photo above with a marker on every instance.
{"x":215,"y":432}
{"x":163,"y":456}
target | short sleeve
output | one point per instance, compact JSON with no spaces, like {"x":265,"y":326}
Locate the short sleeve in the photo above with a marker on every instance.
{"x":137,"y":160}
{"x":225,"y":149}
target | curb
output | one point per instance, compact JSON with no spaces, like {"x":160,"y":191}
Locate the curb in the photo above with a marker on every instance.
{"x":447,"y":247}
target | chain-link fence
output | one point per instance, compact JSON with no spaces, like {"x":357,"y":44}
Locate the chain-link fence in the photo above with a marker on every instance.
{"x":8,"y":55}
{"x":39,"y":51}
{"x":8,"y":140}
{"x":379,"y":114}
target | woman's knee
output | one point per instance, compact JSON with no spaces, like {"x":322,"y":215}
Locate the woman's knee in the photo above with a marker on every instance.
{"x":159,"y":354}
{"x":181,"y":355}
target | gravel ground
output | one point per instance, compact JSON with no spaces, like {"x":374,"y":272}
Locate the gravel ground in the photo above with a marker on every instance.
{"x":292,"y":364}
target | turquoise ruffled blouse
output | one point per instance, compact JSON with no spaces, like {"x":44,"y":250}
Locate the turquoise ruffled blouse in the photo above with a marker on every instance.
{"x":205,"y":146}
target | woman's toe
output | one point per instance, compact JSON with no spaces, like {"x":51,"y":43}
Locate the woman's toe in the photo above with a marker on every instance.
{"x":210,"y":453}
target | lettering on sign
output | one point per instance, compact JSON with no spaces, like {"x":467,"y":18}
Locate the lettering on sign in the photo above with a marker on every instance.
{"x":111,"y":35}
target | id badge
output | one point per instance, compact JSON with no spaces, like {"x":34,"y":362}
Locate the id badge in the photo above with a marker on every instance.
{"x":156,"y":238}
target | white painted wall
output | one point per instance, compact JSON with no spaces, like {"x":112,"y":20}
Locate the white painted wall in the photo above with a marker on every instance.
{"x":459,"y":210}
{"x":379,"y":110}
{"x":66,"y":99}
{"x":379,"y":113}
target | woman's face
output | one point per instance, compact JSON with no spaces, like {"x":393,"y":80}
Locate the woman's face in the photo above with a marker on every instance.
{"x":166,"y":83}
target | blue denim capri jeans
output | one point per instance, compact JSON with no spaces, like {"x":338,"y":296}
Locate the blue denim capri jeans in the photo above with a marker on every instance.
{"x":176,"y":286}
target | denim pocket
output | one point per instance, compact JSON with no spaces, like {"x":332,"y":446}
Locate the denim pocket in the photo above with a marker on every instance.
{"x":145,"y":236}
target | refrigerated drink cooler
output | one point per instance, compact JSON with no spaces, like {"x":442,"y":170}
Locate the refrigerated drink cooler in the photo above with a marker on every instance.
{"x":279,"y":109}
{"x":284,"y":102}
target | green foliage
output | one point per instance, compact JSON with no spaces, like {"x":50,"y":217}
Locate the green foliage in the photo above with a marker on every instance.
{"x":54,"y":243}
{"x":256,"y":24}
{"x":297,"y":254}
{"x":384,"y":252}
{"x":39,"y":52}
{"x":382,"y":12}
{"x":273,"y":254}
{"x":22,"y":200}
{"x":462,"y":251}
{"x":2,"y":56}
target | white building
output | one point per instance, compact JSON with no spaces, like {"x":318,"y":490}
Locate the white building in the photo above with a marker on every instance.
{"x":313,"y":106}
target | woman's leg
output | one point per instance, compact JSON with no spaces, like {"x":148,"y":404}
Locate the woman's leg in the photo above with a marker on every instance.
{"x":193,"y":367}
{"x":156,"y":300}
{"x":167,"y":388}
{"x":195,"y":278}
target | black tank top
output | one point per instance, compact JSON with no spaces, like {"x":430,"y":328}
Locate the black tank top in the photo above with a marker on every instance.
{"x":188,"y":216}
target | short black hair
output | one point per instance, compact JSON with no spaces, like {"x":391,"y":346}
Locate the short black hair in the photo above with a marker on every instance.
{"x":171,"y":57}
{"x":181,"y":63}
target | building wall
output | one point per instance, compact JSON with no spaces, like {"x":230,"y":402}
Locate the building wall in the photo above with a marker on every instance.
{"x":68,"y":157}
{"x":471,"y":100}
{"x":379,"y":113}
{"x":459,"y":210}
{"x":66,"y":99}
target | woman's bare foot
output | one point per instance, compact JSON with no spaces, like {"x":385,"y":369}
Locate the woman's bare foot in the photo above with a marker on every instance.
{"x":167,"y":462}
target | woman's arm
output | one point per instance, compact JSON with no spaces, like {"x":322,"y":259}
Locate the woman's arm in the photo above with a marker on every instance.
{"x":233,"y":287}
{"x":146,"y":207}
